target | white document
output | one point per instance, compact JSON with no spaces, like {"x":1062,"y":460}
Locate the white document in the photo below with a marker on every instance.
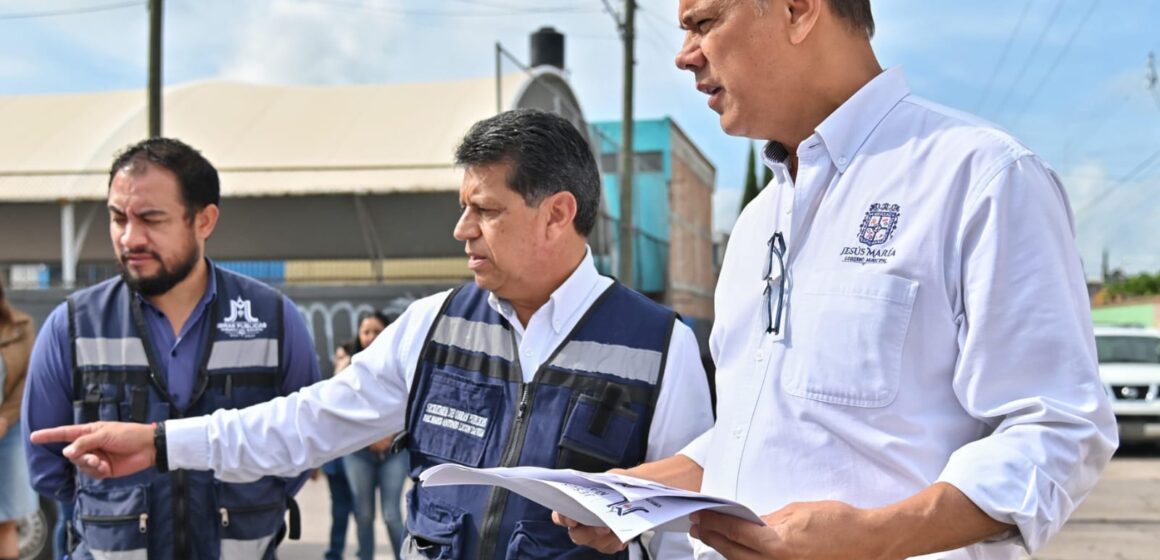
{"x":626,"y":505}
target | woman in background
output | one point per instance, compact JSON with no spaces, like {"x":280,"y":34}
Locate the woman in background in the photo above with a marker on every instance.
{"x":341,"y":500}
{"x":17,"y":500}
{"x":376,"y":467}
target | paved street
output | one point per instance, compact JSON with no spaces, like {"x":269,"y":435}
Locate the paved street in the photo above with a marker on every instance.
{"x":1120,"y":520}
{"x":314,"y":500}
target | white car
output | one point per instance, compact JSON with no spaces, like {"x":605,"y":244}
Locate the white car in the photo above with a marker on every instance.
{"x":1130,"y":369}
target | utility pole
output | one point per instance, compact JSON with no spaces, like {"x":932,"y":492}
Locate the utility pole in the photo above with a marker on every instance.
{"x":155,"y":25}
{"x":627,"y":235}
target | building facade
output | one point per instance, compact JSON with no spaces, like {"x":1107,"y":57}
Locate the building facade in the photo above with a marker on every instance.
{"x":673,"y":186}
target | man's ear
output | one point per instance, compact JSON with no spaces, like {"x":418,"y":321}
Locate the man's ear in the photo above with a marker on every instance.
{"x":205,"y":220}
{"x":560,"y":209}
{"x":802,"y":16}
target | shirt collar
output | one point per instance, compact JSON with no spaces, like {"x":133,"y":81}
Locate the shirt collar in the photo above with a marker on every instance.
{"x":846,"y":129}
{"x":565,"y":302}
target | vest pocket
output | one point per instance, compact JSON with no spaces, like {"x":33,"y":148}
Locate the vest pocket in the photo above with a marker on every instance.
{"x":435,"y":530}
{"x":250,"y":515}
{"x":455,"y":418}
{"x":114,"y":522}
{"x":534,"y":540}
{"x":597,"y":436}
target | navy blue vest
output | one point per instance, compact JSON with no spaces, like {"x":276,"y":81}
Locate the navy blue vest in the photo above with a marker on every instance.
{"x":181,"y":514}
{"x":589,"y":407}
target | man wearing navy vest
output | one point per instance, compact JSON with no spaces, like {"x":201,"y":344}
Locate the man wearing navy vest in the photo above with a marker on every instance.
{"x":541,"y":361}
{"x":173,"y":336}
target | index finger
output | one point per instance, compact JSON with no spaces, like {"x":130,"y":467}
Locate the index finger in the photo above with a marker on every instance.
{"x":61,"y":434}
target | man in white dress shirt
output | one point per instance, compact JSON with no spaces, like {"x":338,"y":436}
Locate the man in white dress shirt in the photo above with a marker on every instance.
{"x":905,"y":358}
{"x":541,"y":361}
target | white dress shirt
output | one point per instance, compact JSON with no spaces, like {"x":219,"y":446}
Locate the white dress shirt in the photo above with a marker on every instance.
{"x":941,"y":335}
{"x":367,"y":401}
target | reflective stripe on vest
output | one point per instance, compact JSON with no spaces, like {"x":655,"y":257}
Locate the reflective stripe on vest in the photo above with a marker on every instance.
{"x":241,"y":364}
{"x":110,"y":352}
{"x":589,"y":406}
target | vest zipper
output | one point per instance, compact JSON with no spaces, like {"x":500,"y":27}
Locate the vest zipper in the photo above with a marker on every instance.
{"x":497,"y":502}
{"x":178,"y":490}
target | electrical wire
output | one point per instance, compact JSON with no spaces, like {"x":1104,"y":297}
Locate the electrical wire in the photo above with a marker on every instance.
{"x":386,"y":10}
{"x":1055,"y":64}
{"x":1030,"y":57}
{"x":72,"y":11}
{"x":1003,"y":56}
{"x":1102,"y":195}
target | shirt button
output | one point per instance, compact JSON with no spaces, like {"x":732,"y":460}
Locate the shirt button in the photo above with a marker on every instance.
{"x":788,"y":211}
{"x":738,"y":431}
{"x":760,"y":355}
{"x":842,"y":160}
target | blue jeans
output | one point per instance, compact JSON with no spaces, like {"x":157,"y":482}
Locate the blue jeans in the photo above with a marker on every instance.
{"x":341,"y":506}
{"x":64,"y":515}
{"x":366,"y":470}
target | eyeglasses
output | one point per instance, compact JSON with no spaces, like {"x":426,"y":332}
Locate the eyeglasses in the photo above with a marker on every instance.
{"x":773,"y":304}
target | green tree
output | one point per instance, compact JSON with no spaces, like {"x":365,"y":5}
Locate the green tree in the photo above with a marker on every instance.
{"x":1142,"y":284}
{"x":751,"y":188}
{"x":766,"y":176}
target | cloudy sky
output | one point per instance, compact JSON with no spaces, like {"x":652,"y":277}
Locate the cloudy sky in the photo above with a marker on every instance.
{"x":1068,"y":77}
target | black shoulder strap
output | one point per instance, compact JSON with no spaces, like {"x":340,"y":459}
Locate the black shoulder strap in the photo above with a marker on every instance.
{"x":78,"y":382}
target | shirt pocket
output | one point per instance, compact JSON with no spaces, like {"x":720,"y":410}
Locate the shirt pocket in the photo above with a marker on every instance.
{"x":847,"y":333}
{"x":456,"y":419}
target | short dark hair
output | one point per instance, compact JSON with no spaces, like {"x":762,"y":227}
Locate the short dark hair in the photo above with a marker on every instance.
{"x":856,"y":13}
{"x":547,"y":155}
{"x":197,"y":177}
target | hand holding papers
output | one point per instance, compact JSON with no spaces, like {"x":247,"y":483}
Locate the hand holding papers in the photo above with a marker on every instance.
{"x":626,"y":505}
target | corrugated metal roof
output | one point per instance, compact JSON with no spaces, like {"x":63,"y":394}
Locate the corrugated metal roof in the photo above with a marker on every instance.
{"x":265,"y":140}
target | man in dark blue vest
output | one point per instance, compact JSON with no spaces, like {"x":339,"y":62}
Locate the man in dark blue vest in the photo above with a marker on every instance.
{"x":541,"y":361}
{"x":173,"y":336}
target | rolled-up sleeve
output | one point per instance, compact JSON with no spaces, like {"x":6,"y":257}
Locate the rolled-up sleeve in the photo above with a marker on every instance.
{"x":1027,"y":364}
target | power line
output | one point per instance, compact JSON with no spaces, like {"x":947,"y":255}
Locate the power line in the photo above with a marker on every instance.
{"x":655,"y":40}
{"x":386,"y":10}
{"x":514,"y":7}
{"x":1003,"y":57}
{"x":72,"y":11}
{"x":1030,"y":57}
{"x":1058,"y":59}
{"x":1137,"y":170}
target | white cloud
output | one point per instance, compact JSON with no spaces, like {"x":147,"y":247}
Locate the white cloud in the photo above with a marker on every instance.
{"x":726,"y":206}
{"x":306,"y":43}
{"x":1118,"y":218}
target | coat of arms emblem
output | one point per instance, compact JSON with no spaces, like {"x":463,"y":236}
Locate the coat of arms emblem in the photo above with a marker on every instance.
{"x":879,"y":224}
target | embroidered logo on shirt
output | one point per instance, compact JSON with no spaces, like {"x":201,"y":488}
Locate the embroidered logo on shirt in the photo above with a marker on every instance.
{"x":241,"y":323}
{"x":877,"y":228}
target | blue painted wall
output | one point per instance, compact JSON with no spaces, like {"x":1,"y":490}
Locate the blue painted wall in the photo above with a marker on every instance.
{"x":650,"y":196}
